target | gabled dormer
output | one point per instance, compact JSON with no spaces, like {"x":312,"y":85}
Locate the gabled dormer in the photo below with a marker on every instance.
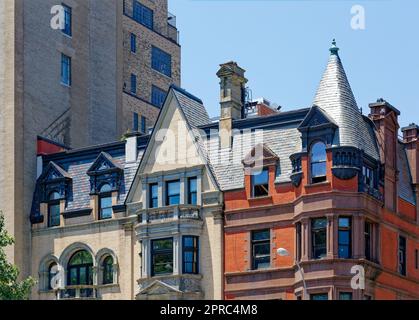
{"x":260,"y":169}
{"x":54,"y":179}
{"x":104,"y":170}
{"x":317,"y":125}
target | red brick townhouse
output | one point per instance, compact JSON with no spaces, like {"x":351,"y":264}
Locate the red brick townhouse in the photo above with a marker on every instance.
{"x":332,"y":190}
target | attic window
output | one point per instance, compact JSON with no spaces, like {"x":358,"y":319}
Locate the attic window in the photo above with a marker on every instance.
{"x":260,"y":184}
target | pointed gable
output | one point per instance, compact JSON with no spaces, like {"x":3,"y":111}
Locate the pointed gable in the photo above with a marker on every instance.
{"x":317,"y":118}
{"x":336,"y":98}
{"x":103,"y":163}
{"x":53,"y":173}
{"x":260,"y":156}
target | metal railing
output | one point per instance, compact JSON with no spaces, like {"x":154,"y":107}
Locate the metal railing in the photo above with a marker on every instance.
{"x":78,"y":293}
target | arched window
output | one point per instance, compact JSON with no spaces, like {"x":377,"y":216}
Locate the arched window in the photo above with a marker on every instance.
{"x":105,"y":202}
{"x":52,"y":272}
{"x":107,"y":267}
{"x":54,"y":209}
{"x":80,"y":269}
{"x":318,"y":162}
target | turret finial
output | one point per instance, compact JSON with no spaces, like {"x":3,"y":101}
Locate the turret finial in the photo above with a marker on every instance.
{"x":334,"y":50}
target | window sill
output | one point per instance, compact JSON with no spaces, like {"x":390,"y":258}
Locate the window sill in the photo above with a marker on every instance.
{"x":107,"y":286}
{"x":320,"y":184}
{"x":255,"y":199}
{"x":66,"y":85}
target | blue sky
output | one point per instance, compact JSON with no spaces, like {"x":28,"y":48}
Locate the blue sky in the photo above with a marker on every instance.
{"x":284,"y":45}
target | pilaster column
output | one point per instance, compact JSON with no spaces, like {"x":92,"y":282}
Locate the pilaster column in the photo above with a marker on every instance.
{"x":183,"y":189}
{"x":177,"y":258}
{"x":358,"y":236}
{"x":332,"y":236}
{"x":306,"y":239}
{"x":144,"y":258}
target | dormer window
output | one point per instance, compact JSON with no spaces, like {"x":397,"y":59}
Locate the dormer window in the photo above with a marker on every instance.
{"x":173,"y":193}
{"x":54,"y":213}
{"x":318,"y":161}
{"x":260,"y":184}
{"x":105,"y":202}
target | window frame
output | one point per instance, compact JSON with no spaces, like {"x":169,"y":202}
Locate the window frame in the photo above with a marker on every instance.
{"x":105,"y":195}
{"x":313,"y":295}
{"x":315,"y":247}
{"x":68,"y":20}
{"x":192,"y":193}
{"x":108,"y":271}
{"x":143,"y":124}
{"x":323,"y":162}
{"x":151,"y":196}
{"x":347,"y":230}
{"x":154,"y":252}
{"x":159,"y":63}
{"x":87,"y":267}
{"x":194,"y":250}
{"x":169,"y":196}
{"x":139,"y":12}
{"x":66,"y":70}
{"x":402,"y":255}
{"x":158,"y":96}
{"x":299,"y":240}
{"x":254,"y":184}
{"x":54,"y":203}
{"x":133,"y":42}
{"x":133,"y":83}
{"x":260,"y":242}
{"x":135,"y":122}
{"x":349,"y":294}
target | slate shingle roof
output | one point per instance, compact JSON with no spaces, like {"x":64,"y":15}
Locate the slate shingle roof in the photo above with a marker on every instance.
{"x":405,"y":178}
{"x":335,"y":96}
{"x":77,"y":163}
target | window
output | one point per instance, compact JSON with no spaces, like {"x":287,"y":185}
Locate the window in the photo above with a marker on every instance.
{"x":143,"y":124}
{"x":261,"y":249}
{"x":190,"y":255}
{"x":345,"y":295}
{"x":172,"y":193}
{"x":345,"y":238}
{"x":318,"y":162}
{"x":143,"y":15}
{"x":260,"y":184}
{"x":135,"y":124}
{"x":105,"y":202}
{"x":65,"y":70}
{"x":133,"y":84}
{"x":80,"y":269}
{"x":368,"y":176}
{"x":368,"y":240}
{"x":192,"y":191}
{"x":52,"y":272}
{"x":319,"y":296}
{"x":402,"y":255}
{"x":299,"y":240}
{"x":54,"y":214}
{"x":157,"y":96}
{"x":107,"y":267}
{"x":154,"y":195}
{"x":133,"y":39}
{"x":68,"y":20}
{"x":162,"y":257}
{"x":417,"y":259}
{"x":318,"y":238}
{"x":161,"y":61}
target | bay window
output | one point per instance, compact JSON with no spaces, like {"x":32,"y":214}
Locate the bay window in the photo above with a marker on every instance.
{"x":172,"y":193}
{"x":319,"y":238}
{"x":162,"y":257}
{"x":345,"y":238}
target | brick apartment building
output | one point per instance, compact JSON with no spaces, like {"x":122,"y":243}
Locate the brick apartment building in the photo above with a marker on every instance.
{"x":334,"y":189}
{"x":107,"y":72}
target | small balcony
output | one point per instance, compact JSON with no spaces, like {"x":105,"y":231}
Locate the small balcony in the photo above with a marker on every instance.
{"x":78,"y":293}
{"x":171,"y":213}
{"x":172,"y":31}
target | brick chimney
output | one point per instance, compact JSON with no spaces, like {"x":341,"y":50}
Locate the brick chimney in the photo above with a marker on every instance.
{"x":411,"y":141}
{"x":232,"y":87}
{"x":385,"y":118}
